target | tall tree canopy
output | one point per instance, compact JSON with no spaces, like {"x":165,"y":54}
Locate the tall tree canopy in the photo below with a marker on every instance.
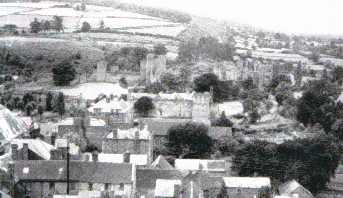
{"x":143,"y":106}
{"x":312,"y":162}
{"x":63,"y":73}
{"x":189,"y":140}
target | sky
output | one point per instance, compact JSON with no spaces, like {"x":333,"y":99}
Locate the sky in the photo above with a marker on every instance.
{"x":290,"y":16}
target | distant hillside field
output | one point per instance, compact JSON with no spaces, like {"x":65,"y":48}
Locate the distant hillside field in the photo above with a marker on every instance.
{"x":43,"y":53}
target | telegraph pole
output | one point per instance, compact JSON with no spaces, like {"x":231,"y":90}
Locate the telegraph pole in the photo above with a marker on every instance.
{"x":68,"y":160}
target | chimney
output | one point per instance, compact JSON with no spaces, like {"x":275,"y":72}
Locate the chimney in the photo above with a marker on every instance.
{"x":14,"y":148}
{"x":25,"y":151}
{"x":126,"y":156}
{"x":108,"y":100}
{"x":115,"y":134}
{"x":95,"y":156}
{"x":177,"y":189}
{"x":53,"y":139}
{"x":54,"y":154}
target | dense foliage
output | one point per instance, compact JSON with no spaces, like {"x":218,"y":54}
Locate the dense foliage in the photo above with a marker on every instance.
{"x":317,"y":105}
{"x":128,"y":58}
{"x":312,"y":162}
{"x":63,"y":74}
{"x":189,"y":140}
{"x":143,"y":106}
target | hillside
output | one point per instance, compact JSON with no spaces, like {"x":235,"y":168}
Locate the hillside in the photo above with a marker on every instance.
{"x":44,"y":53}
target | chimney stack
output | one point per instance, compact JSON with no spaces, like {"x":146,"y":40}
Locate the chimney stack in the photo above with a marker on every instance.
{"x":127,"y":157}
{"x":25,"y":151}
{"x":95,"y":156}
{"x":54,"y":154}
{"x":115,"y":134}
{"x":53,"y":139}
{"x":14,"y":148}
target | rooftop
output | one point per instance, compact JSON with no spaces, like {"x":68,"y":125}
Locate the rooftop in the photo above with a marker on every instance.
{"x":247,"y":182}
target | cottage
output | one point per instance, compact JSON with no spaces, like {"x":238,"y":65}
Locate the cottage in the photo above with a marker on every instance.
{"x":43,"y":178}
{"x":245,"y":187}
{"x":30,"y":149}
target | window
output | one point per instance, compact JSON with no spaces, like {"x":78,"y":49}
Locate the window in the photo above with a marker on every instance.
{"x":121,"y":186}
{"x":107,"y":186}
{"x":206,"y":194}
{"x":90,"y":186}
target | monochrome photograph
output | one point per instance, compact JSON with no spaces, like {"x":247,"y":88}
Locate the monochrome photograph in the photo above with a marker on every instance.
{"x":171,"y":99}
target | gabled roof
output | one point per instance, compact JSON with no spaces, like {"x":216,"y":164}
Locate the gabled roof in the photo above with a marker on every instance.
{"x":289,"y":187}
{"x":38,"y":146}
{"x":146,"y":178}
{"x":161,"y":163}
{"x":55,"y":170}
{"x":199,"y":164}
{"x":246,"y":182}
{"x":11,"y":125}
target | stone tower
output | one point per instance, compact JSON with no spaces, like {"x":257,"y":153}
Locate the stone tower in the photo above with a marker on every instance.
{"x":101,"y":69}
{"x":152,"y":68}
{"x":201,"y":107}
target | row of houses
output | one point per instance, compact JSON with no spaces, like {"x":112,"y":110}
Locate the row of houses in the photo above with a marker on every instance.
{"x":101,"y":175}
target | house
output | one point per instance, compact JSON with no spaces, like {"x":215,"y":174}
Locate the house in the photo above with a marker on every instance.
{"x":30,"y":149}
{"x":147,"y":177}
{"x":92,"y":128}
{"x":135,"y":140}
{"x":213,"y":167}
{"x":294,"y":189}
{"x":136,"y":159}
{"x":41,"y":178}
{"x":336,"y":183}
{"x":111,"y":109}
{"x":245,"y":187}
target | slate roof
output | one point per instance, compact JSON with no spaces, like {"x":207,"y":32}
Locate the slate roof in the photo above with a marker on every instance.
{"x":55,"y":170}
{"x":161,"y":163}
{"x":146,"y":178}
{"x":289,"y":187}
{"x":247,"y":182}
{"x":160,"y":127}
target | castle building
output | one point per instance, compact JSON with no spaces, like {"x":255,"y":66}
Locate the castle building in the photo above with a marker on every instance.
{"x":152,"y":67}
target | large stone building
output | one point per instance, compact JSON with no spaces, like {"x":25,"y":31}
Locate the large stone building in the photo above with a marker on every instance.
{"x":195,"y":106}
{"x":152,"y":67}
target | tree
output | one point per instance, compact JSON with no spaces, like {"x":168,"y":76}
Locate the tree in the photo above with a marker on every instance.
{"x":40,"y":111}
{"x":58,"y":23}
{"x":189,"y":140}
{"x":60,"y":105}
{"x":35,"y":26}
{"x":29,"y":108}
{"x":223,"y":121}
{"x":337,"y":129}
{"x":172,"y":82}
{"x":312,"y":162}
{"x":83,"y":6}
{"x":102,"y":25}
{"x":86,"y":27}
{"x":160,"y":49}
{"x":63,"y":74}
{"x":206,"y":83}
{"x":143,"y":106}
{"x":338,"y":75}
{"x":49,"y":99}
{"x":123,"y":82}
{"x":317,"y":105}
{"x":46,"y":26}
